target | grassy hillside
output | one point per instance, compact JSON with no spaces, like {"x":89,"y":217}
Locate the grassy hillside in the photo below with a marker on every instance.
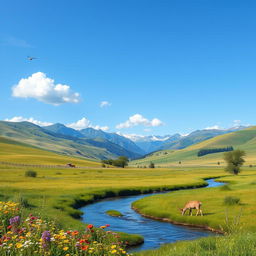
{"x":16,"y":152}
{"x":67,"y":145}
{"x":244,"y":139}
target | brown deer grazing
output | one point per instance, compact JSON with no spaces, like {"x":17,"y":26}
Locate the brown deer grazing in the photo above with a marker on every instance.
{"x":192,"y":205}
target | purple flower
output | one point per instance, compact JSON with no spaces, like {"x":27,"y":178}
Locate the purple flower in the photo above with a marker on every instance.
{"x":46,"y":236}
{"x":15,"y":220}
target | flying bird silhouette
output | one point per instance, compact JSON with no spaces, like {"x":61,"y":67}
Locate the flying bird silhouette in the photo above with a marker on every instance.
{"x":31,"y":58}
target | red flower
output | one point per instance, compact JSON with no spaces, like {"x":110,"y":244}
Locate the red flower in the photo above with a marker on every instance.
{"x":9,"y":227}
{"x":74,"y":233}
{"x":84,"y":248}
{"x":107,"y":225}
{"x":90,"y":226}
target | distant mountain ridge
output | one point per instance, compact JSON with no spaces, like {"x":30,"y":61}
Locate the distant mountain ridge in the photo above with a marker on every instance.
{"x":98,"y":144}
{"x":90,"y":133}
{"x":63,"y":143}
{"x":155,"y":143}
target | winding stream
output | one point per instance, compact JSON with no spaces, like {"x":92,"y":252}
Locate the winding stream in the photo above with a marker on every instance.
{"x":155,"y":233}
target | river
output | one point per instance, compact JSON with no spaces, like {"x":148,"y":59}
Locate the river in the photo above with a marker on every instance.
{"x":155,"y":233}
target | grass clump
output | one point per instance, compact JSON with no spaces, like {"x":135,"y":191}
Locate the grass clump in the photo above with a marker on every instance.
{"x":31,"y":173}
{"x":231,"y":200}
{"x":225,"y":188}
{"x":114,"y":213}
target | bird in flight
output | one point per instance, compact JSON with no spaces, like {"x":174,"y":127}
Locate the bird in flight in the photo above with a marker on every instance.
{"x":31,"y":58}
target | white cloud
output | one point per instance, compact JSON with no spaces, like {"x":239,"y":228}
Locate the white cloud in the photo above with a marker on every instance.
{"x":214,"y":127}
{"x":105,"y":104}
{"x":85,"y":123}
{"x":103,"y":128}
{"x":42,"y":88}
{"x":138,"y":119}
{"x":31,"y":120}
{"x":237,"y":123}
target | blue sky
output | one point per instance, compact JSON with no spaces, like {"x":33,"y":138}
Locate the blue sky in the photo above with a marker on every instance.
{"x":169,"y":66}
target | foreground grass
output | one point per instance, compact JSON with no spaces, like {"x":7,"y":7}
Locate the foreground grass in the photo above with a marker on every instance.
{"x":232,"y":245}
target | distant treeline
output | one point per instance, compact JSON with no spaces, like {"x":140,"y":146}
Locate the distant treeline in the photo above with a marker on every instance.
{"x":207,"y":151}
{"x":121,"y":161}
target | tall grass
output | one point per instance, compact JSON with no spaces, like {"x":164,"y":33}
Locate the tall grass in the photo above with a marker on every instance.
{"x":243,"y":244}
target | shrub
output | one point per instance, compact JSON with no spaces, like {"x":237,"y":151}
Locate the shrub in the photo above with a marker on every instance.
{"x":230,"y":200}
{"x":151,"y":165}
{"x":30,"y":173}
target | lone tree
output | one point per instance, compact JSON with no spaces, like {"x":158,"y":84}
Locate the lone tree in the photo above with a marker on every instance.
{"x":234,"y":160}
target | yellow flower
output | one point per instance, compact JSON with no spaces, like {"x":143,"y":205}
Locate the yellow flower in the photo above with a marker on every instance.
{"x":65,"y":241}
{"x":113,"y":251}
{"x":113,"y":246}
{"x":65,"y":248}
{"x":19,"y":245}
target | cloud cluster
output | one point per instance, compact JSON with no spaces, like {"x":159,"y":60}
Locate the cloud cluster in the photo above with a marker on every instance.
{"x":138,"y":119}
{"x":31,"y":120}
{"x":85,"y":123}
{"x":105,"y":104}
{"x":214,"y":127}
{"x":42,"y":88}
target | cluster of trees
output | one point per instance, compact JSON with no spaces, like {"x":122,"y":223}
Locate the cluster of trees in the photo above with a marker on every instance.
{"x":121,"y":161}
{"x":207,"y":151}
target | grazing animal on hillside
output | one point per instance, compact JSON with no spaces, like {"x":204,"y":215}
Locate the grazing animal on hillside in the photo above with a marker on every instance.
{"x":70,"y":165}
{"x":192,"y":205}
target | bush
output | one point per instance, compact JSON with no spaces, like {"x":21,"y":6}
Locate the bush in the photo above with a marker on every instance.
{"x":230,"y":200}
{"x":151,"y":165}
{"x":30,"y":173}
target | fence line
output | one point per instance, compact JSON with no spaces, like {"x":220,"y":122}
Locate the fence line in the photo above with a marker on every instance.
{"x":45,"y":166}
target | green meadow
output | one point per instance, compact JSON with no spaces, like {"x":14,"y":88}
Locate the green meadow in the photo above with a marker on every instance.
{"x":57,"y":193}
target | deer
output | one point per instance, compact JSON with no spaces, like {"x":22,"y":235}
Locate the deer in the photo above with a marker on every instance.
{"x":192,"y":205}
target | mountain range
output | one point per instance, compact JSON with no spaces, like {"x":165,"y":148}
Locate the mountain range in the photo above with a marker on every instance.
{"x":243,"y":139}
{"x":97,"y":144}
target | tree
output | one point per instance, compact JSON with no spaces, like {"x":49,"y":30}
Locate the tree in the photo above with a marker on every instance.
{"x":122,"y":161}
{"x":234,"y":160}
{"x":151,"y":165}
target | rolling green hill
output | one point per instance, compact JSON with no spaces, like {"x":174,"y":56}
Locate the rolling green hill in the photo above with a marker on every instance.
{"x":15,"y":152}
{"x":243,"y":139}
{"x":62,"y":144}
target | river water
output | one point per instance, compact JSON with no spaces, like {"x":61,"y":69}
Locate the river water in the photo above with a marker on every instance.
{"x":155,"y":233}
